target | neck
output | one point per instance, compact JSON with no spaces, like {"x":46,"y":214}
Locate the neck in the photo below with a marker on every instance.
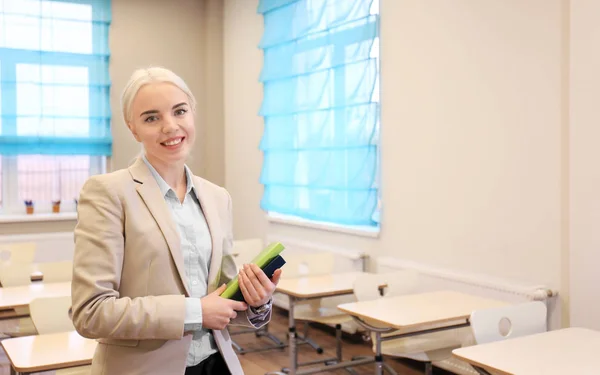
{"x":172,"y":173}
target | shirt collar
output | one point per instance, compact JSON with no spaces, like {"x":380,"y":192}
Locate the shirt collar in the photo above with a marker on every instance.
{"x":162,"y":184}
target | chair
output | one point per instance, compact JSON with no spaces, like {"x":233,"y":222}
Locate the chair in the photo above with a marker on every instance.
{"x":424,"y":348}
{"x":323,"y":310}
{"x":245,"y":251}
{"x":51,"y":315}
{"x":15,"y":274}
{"x":508,"y":322}
{"x":55,"y":272}
{"x":18,"y":252}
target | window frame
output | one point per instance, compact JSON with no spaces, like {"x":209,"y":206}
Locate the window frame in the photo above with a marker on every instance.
{"x":339,"y":79}
{"x":9,"y":202}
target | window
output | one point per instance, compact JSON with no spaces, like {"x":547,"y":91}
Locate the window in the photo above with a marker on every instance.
{"x":321,"y":110}
{"x":54,"y":100}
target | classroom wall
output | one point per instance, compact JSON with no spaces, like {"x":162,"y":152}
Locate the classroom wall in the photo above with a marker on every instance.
{"x":473,"y":136}
{"x":584,"y":156}
{"x":185,"y":36}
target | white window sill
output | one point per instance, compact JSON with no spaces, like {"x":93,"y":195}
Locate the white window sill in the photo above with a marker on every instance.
{"x":24,"y":218}
{"x":356,"y":230}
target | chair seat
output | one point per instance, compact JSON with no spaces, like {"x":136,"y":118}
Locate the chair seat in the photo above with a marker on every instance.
{"x":78,"y":370}
{"x":430,"y":347}
{"x":24,"y":327}
{"x":456,"y":366}
{"x":321,"y":315}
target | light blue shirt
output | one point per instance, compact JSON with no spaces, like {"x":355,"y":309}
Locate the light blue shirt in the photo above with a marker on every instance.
{"x":196,"y":248}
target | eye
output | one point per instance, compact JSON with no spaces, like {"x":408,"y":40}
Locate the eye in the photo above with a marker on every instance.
{"x":180,"y":112}
{"x":151,"y":119}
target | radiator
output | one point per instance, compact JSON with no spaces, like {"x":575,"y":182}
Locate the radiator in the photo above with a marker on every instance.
{"x":51,"y":247}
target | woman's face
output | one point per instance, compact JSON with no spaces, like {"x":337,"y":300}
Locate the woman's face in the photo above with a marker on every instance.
{"x":162,"y":120}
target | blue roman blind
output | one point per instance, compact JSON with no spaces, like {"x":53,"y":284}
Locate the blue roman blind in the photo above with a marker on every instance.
{"x":54,"y":81}
{"x":321,"y":109}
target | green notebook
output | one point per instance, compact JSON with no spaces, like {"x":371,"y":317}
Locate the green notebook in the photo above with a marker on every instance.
{"x":261,"y":260}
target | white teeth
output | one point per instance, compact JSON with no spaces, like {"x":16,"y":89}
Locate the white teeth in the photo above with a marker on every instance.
{"x":173,"y":142}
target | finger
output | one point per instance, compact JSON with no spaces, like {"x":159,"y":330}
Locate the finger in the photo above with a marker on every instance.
{"x":260,"y":275}
{"x":220,"y":289}
{"x":242,"y":284}
{"x":233,"y":315}
{"x":276,"y":276}
{"x":238,"y":305}
{"x":251,"y":296}
{"x":254,"y":279}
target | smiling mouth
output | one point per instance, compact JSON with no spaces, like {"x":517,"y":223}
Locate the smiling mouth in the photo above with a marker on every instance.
{"x":173,"y":142}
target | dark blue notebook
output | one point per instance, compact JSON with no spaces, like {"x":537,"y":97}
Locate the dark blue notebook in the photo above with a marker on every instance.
{"x":269,"y":270}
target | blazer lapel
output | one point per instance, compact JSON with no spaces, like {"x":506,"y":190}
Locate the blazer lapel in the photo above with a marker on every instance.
{"x":148,"y":189}
{"x":211,"y":214}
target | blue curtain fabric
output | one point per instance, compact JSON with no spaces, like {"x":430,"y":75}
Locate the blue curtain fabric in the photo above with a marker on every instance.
{"x":54,"y":81}
{"x":321,"y":110}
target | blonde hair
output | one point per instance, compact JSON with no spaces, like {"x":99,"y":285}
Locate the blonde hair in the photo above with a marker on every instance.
{"x":144,"y":76}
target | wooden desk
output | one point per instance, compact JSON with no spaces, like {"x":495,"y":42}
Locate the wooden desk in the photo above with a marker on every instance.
{"x":560,"y":352}
{"x":20,"y":296}
{"x":48,"y":352}
{"x":415,"y":314}
{"x":312,"y":287}
{"x":319,"y":286}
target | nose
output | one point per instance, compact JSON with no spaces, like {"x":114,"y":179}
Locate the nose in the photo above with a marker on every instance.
{"x":169,"y":125}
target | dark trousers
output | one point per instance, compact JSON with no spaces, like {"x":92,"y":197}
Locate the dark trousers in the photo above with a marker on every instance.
{"x":215,"y":364}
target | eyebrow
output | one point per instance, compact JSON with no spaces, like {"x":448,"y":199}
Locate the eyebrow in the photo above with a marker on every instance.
{"x":154,"y":111}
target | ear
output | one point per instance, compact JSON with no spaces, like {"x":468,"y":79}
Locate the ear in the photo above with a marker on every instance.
{"x":132,"y":130}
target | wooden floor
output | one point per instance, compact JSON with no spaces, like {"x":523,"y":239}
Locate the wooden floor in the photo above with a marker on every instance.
{"x":260,"y":363}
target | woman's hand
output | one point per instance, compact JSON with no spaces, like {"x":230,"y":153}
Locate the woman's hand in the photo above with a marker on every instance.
{"x":256,"y":286}
{"x":217,"y":311}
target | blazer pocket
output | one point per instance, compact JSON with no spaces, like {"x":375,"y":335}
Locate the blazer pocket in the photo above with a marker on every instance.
{"x":119,"y":342}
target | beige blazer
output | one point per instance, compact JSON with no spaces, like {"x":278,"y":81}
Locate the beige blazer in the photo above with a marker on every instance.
{"x":128,"y":286}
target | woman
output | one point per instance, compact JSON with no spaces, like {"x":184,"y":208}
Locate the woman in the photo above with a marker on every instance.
{"x":153,"y":250}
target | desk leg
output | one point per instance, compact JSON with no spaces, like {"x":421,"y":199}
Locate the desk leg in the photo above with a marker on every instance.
{"x":292,"y":337}
{"x":378,"y":355}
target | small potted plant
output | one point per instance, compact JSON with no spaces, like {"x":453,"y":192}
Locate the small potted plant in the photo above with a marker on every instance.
{"x":29,"y":207}
{"x":56,"y":206}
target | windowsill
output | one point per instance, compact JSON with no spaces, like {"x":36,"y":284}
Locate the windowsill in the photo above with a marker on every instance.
{"x":355,"y":230}
{"x":24,"y":218}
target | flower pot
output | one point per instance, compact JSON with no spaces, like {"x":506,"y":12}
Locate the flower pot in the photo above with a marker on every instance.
{"x":29,"y":207}
{"x":56,"y":208}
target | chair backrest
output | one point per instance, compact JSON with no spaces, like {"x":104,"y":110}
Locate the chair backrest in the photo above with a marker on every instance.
{"x":15,"y":274}
{"x":366,"y":286}
{"x":308,"y":264}
{"x":51,"y":314}
{"x":401,"y":282}
{"x":508,"y":322}
{"x":246,"y":250}
{"x":18,"y":252}
{"x":55,"y":272}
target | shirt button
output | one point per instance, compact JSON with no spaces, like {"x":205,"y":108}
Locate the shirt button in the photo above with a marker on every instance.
{"x":195,"y":282}
{"x":196,"y":344}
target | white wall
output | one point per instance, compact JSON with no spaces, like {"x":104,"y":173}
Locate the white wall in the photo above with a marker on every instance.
{"x":585,"y":173}
{"x":473,"y":150}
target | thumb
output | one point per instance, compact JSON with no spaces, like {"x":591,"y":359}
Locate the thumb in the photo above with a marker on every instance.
{"x":220,"y":289}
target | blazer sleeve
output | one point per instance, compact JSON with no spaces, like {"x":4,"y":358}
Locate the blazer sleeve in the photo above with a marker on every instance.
{"x":97,"y":309}
{"x":229,"y":271}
